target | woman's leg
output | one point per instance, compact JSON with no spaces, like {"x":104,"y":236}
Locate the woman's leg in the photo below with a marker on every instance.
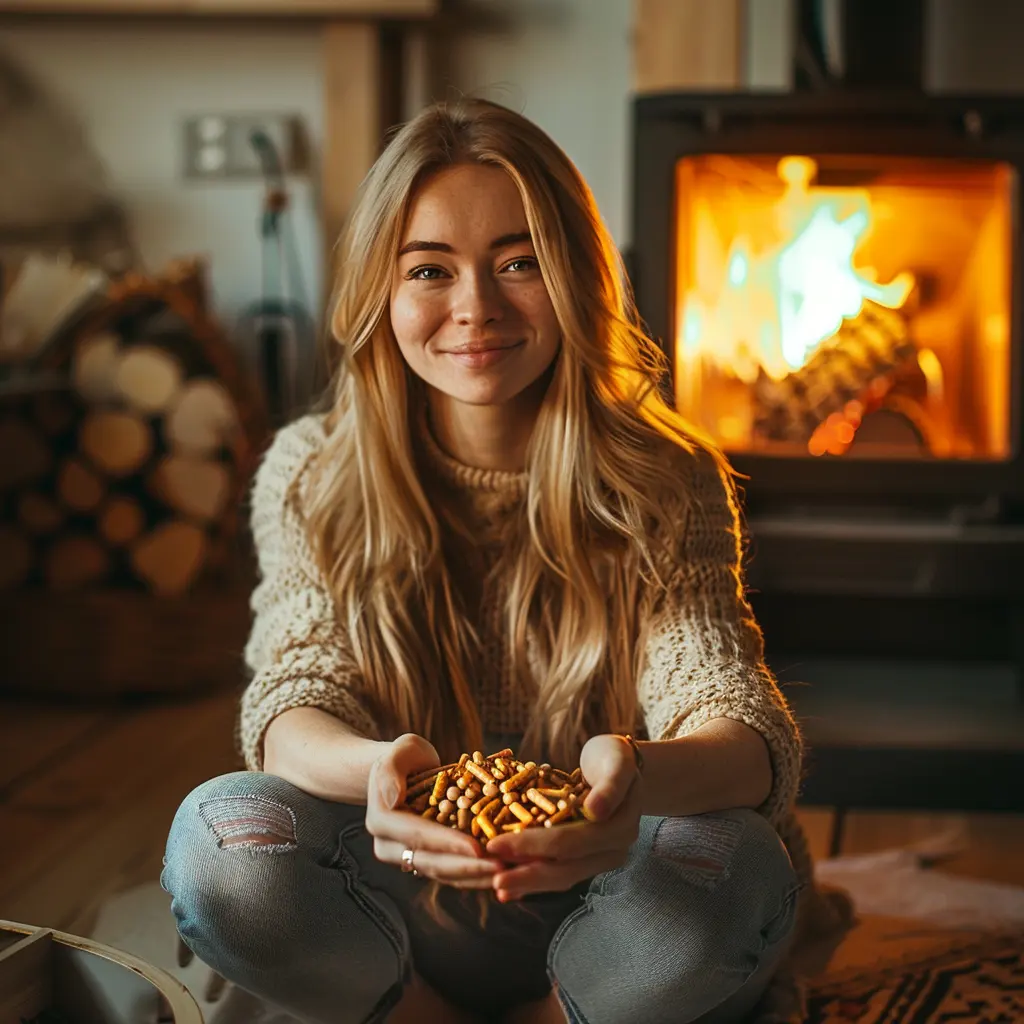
{"x":268,"y":892}
{"x":691,"y":928}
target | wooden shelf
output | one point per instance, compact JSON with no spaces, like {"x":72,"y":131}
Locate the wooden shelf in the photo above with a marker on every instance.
{"x":327,"y":9}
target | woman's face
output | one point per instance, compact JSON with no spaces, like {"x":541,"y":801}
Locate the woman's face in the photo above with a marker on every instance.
{"x":468,"y":304}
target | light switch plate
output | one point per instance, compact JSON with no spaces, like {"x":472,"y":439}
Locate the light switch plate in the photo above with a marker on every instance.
{"x":219,"y":146}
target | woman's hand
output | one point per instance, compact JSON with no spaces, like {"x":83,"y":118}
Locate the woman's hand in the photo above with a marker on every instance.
{"x":555,"y":859}
{"x":441,"y":853}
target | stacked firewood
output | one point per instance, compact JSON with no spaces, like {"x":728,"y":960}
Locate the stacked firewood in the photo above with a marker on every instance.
{"x":131,"y":467}
{"x":863,"y":357}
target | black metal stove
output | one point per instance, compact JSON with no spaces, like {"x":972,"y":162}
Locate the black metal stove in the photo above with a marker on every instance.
{"x":885,"y":460}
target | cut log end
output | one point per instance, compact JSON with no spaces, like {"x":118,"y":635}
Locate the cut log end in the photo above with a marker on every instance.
{"x":171,"y":557}
{"x":78,"y":486}
{"x":118,"y":443}
{"x":203,"y":420}
{"x":94,"y":366}
{"x":16,"y":557}
{"x":25,"y":456}
{"x":149,"y":378}
{"x":76,"y":560}
{"x":198,"y":488}
{"x":38,"y":513}
{"x":121,"y":520}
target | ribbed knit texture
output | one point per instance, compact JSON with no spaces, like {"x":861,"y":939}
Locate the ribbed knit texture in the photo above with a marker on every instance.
{"x":703,"y":648}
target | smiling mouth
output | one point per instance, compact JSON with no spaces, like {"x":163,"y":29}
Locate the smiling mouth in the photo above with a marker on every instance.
{"x":483,"y":356}
{"x":475,"y":350}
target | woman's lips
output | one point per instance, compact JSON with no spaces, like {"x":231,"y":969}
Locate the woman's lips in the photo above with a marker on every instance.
{"x":477,"y":358}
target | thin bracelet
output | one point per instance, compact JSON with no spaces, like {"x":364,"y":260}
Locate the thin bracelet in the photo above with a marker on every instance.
{"x":636,"y":751}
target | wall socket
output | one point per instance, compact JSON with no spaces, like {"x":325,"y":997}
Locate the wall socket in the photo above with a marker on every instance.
{"x":219,"y":146}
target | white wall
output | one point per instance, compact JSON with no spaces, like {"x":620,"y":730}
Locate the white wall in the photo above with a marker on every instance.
{"x":131,"y":87}
{"x":564,"y":63}
{"x":769,"y":46}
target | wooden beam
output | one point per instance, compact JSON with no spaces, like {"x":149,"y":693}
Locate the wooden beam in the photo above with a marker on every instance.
{"x":361,"y":9}
{"x":357,"y":106}
{"x":687,"y":45}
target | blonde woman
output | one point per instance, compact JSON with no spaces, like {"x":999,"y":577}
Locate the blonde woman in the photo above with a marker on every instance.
{"x":497,"y":534}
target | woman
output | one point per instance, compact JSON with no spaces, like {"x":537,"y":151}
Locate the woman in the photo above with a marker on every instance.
{"x":498,"y":534}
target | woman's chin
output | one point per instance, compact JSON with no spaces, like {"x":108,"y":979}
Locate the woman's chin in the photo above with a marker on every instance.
{"x":482,"y":392}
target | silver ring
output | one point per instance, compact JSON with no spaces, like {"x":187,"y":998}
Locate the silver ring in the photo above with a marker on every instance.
{"x":407,"y":865}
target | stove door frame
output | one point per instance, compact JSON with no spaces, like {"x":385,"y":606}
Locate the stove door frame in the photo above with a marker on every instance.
{"x":668,"y":127}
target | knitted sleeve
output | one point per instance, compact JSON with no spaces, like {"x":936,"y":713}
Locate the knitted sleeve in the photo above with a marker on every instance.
{"x":296,"y":652}
{"x":703,"y":655}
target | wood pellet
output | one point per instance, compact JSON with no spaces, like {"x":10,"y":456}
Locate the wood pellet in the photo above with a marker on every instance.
{"x":486,"y":795}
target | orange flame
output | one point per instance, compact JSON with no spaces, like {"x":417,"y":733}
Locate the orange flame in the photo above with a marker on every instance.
{"x":771,"y":310}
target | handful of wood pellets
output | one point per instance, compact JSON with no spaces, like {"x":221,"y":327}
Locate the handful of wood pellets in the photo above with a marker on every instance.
{"x":485,"y":796}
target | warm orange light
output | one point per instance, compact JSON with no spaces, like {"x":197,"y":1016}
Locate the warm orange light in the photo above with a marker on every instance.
{"x":770,"y":309}
{"x":816,"y":294}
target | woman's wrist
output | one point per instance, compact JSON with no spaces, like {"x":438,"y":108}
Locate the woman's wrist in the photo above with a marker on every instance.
{"x":630,"y":740}
{"x":722,"y":764}
{"x":321,"y":755}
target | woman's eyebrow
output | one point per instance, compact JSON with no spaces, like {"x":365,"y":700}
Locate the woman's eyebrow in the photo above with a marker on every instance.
{"x":499,"y":243}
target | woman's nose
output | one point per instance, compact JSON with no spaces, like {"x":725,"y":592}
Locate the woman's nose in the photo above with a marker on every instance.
{"x":477,"y":300}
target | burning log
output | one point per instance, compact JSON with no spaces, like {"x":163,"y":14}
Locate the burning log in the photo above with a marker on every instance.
{"x":860,"y":358}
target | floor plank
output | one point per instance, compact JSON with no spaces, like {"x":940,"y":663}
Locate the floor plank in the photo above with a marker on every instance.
{"x":90,"y":795}
{"x":992,"y":845}
{"x":81,"y":831}
{"x":33,"y":735}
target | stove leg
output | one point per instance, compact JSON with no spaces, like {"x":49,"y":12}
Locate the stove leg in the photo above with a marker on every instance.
{"x":835,"y":842}
{"x":1017,"y":646}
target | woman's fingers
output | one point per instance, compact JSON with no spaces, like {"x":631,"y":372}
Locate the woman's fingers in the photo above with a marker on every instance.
{"x":412,"y":832}
{"x":388,"y":773}
{"x":452,"y":869}
{"x":460,"y":872}
{"x":574,"y":839}
{"x":566,"y":842}
{"x":553,"y":876}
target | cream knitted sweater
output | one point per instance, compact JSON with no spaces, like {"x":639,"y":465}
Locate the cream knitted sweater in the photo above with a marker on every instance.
{"x":703,"y":654}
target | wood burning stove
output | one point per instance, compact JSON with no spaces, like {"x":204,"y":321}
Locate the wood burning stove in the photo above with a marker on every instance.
{"x":835,"y":275}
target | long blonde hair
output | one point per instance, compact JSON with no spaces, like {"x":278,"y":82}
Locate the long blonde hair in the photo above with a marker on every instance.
{"x":576,"y":552}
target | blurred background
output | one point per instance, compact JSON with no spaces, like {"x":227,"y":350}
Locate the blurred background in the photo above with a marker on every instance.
{"x":818,"y":204}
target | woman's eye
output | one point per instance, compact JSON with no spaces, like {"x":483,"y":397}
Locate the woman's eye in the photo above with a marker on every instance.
{"x":425,"y":274}
{"x":521,"y":264}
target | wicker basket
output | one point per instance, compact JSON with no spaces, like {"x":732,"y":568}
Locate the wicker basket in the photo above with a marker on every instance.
{"x":50,"y":976}
{"x":99,"y":644}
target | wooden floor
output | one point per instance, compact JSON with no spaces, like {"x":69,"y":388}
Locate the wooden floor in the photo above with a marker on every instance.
{"x":87,"y":796}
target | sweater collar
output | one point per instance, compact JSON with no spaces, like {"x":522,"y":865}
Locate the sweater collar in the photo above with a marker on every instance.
{"x":489,"y":493}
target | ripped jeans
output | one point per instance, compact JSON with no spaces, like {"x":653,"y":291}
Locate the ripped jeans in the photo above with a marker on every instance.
{"x":690,"y":928}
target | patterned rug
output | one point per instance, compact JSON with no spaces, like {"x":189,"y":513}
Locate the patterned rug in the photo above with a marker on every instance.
{"x":969,"y":981}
